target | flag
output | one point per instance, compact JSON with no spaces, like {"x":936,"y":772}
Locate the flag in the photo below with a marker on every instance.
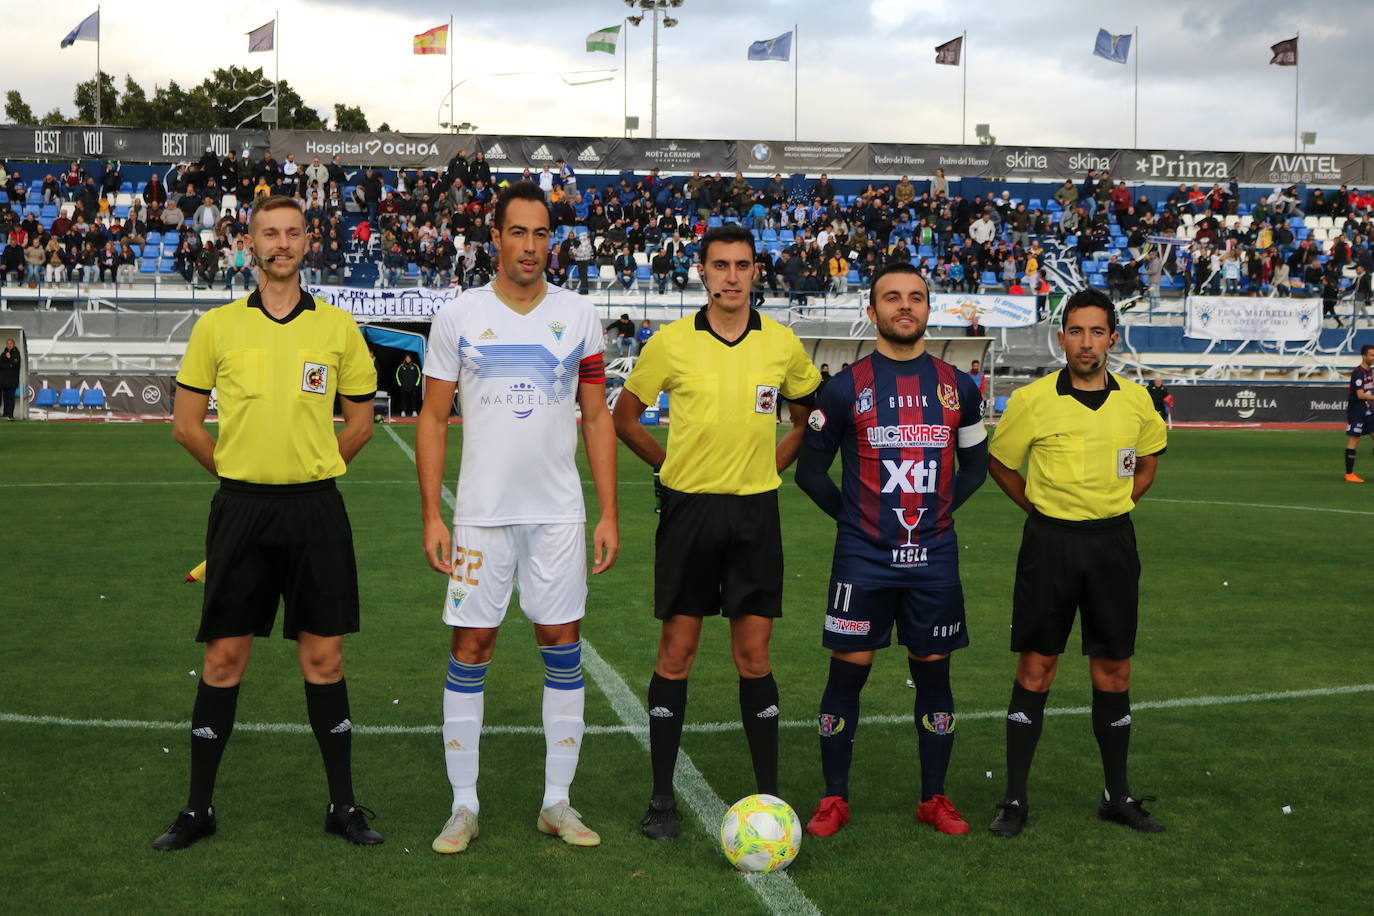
{"x":88,"y":30}
{"x":263,"y":37}
{"x":948,"y":53}
{"x":1115,"y":48}
{"x":779,"y":48}
{"x":435,"y":41}
{"x":1285,"y":53}
{"x":604,"y":40}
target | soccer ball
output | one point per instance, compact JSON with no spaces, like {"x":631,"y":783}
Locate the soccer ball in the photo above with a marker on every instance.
{"x":760,"y":833}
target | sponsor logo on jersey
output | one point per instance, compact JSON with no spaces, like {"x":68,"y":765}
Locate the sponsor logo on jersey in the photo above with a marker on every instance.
{"x":851,"y":627}
{"x":831,"y":725}
{"x":765,"y":398}
{"x":817,"y":420}
{"x":907,"y":400}
{"x":521,"y":398}
{"x":315,"y":378}
{"x":948,"y":395}
{"x":864,"y":403}
{"x":910,"y":476}
{"x":557,"y":327}
{"x":938,"y":723}
{"x":1125,"y":462}
{"x":908,"y":435}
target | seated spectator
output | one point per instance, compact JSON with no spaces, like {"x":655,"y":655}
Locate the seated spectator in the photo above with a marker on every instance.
{"x":625,"y":267}
{"x":237,"y":262}
{"x":622,"y":332}
{"x":334,"y":264}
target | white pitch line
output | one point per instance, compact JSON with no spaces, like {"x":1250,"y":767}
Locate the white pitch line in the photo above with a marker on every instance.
{"x":642,"y":729}
{"x":1217,"y":502}
{"x":777,"y":890}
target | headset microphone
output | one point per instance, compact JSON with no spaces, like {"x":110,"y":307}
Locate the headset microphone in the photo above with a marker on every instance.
{"x":715,"y":295}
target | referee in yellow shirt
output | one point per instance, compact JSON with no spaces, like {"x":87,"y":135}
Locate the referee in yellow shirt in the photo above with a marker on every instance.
{"x":277,"y":528}
{"x":718,"y":549}
{"x":1093,"y":439}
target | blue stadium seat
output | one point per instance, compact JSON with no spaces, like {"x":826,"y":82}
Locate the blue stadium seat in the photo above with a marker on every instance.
{"x":165,"y":266}
{"x":713,"y":222}
{"x":153,"y":238}
{"x":643,"y":273}
{"x":4,"y":197}
{"x":147,"y":266}
{"x":853,"y":277}
{"x":47,"y":397}
{"x":926,"y":251}
{"x":121,"y":212}
{"x":990,"y":279}
{"x":93,"y":397}
{"x":1098,"y":281}
{"x":1092,"y":266}
{"x":1070,"y":241}
{"x":1035,"y":204}
{"x":69,"y":397}
{"x":1053,"y":206}
{"x":785,"y":236}
{"x":770,"y":235}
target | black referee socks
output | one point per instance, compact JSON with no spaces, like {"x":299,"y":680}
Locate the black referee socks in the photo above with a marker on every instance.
{"x":758,"y":710}
{"x":667,"y":708}
{"x":327,"y":707}
{"x":1112,"y":728}
{"x":212,"y":720}
{"x":1025,"y":719}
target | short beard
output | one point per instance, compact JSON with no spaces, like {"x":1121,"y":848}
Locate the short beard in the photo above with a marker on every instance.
{"x":1077,"y":368}
{"x":886,"y":332}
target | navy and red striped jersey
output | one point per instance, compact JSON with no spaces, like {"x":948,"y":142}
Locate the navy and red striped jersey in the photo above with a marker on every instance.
{"x":1361,"y":379}
{"x":897,"y":426}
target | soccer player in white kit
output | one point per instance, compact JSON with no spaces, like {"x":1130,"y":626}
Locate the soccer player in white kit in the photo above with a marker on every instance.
{"x":519,"y":351}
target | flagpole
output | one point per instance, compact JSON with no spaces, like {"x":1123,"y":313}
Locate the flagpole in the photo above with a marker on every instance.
{"x":1297,"y":71}
{"x":625,"y":77}
{"x":796,"y":66}
{"x":1135,"y":124}
{"x":448,"y":49}
{"x":276,"y":54}
{"x":963,"y":115}
{"x":97,"y":65}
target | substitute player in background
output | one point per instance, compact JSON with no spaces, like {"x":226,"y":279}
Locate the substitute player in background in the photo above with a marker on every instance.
{"x":718,"y":549}
{"x":1359,"y":409}
{"x":278,"y":530}
{"x":909,"y":429}
{"x":524,"y":356}
{"x":1093,"y":440}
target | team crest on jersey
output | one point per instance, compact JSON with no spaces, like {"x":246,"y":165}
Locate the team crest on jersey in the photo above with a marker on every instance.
{"x":948,"y":395}
{"x":765,"y":398}
{"x":817,"y":420}
{"x":557,"y":327}
{"x":315,"y":378}
{"x":1125,"y":462}
{"x":831,"y":725}
{"x":938,"y":723}
{"x":865,"y":401}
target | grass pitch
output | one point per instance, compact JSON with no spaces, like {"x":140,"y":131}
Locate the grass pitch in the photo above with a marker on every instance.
{"x":1254,"y":565}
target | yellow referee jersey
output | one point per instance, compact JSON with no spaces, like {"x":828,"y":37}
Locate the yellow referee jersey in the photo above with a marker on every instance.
{"x":275,"y":381}
{"x":723,"y":400}
{"x":1082,"y":460}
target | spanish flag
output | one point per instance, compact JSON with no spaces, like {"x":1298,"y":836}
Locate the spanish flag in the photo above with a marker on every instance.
{"x":435,"y":41}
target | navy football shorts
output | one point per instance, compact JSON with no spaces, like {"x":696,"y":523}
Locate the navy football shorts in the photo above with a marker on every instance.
{"x":1359,"y":423}
{"x":929,"y":618}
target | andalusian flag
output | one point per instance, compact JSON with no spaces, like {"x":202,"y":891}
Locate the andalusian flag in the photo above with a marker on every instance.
{"x":604,"y":40}
{"x":435,"y":41}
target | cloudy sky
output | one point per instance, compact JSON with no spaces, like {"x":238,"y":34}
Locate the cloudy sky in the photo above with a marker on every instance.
{"x":866,"y":67}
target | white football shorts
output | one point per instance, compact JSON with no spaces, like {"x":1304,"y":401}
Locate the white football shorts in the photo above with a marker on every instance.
{"x":549,"y":560}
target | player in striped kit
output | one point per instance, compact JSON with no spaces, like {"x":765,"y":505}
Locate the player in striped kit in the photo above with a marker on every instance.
{"x":525,"y":356}
{"x":909,"y":429}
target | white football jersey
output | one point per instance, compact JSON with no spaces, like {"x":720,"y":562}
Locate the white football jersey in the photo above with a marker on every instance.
{"x":517,"y":378}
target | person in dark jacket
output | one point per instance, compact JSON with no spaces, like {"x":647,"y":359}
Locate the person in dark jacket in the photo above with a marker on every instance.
{"x":10,"y":364}
{"x":407,"y":393}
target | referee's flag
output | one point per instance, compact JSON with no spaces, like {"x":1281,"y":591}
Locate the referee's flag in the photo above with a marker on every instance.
{"x":435,"y":41}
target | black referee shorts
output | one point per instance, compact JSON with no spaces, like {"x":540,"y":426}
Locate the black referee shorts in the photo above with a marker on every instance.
{"x":265,"y":543}
{"x":1066,"y":567}
{"x":717,"y":553}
